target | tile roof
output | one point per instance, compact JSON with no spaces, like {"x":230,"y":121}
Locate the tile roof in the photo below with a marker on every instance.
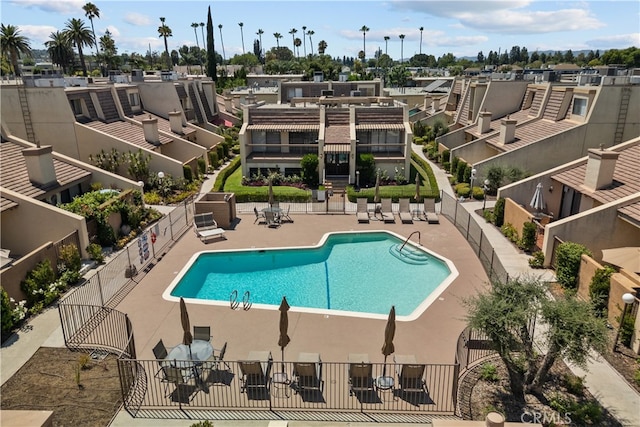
{"x":163,"y":124}
{"x":337,"y":133}
{"x":631,"y":212}
{"x":380,"y":126}
{"x":521,"y":116}
{"x":127,"y":132}
{"x":532,"y":132}
{"x":14,"y":175}
{"x":626,"y":180}
{"x":284,"y":127}
{"x":6,"y":204}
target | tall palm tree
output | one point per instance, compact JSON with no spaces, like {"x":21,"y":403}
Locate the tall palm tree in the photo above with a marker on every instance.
{"x":401,"y":47}
{"x":108,"y":51}
{"x":304,"y":40}
{"x":204,"y":41}
{"x":59,"y":50}
{"x":322,"y":46}
{"x":242,"y":35}
{"x":79,"y":35}
{"x":296,"y":43}
{"x":386,"y":44}
{"x":91,"y":11}
{"x":278,"y":36}
{"x":310,"y":33}
{"x":293,"y":32}
{"x":421,"y":29}
{"x":259,"y":34}
{"x":364,"y":30}
{"x":164,"y":31}
{"x":13,"y":45}
{"x":195,"y":26}
{"x":221,"y":42}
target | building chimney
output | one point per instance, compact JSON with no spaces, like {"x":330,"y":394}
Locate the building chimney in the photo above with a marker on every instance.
{"x":507,"y":130}
{"x":427,"y":103}
{"x":39,"y":162}
{"x":436,"y":104}
{"x":600,"y":167}
{"x":484,"y":122}
{"x":150,"y":128}
{"x":175,"y":120}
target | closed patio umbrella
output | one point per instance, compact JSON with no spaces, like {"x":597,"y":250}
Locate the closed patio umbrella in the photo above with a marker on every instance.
{"x":187,"y":338}
{"x":626,"y":257}
{"x":271,"y":198}
{"x":389,"y":332}
{"x":537,"y":201}
{"x":417,"y":195}
{"x":376,"y":193}
{"x":284,"y":326}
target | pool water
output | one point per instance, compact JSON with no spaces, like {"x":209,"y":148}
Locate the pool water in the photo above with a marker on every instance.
{"x":357,"y":274}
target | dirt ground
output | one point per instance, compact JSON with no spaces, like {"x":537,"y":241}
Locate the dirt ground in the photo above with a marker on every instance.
{"x":49,"y":381}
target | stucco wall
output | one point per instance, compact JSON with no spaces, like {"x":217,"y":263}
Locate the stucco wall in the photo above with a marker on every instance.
{"x":159,"y":98}
{"x":516,"y":215}
{"x":588,"y":267}
{"x":51,"y":117}
{"x":504,"y":97}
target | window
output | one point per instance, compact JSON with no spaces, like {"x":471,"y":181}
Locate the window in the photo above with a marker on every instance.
{"x":76,"y":106}
{"x":579,"y":107}
{"x":134,"y":99}
{"x":258,"y":139}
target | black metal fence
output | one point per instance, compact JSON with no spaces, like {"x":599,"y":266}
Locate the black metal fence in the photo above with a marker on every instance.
{"x":219,"y":387}
{"x":469,"y":227}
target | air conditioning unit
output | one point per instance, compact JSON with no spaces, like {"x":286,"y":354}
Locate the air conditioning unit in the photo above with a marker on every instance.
{"x":356,"y":93}
{"x":326,"y":92}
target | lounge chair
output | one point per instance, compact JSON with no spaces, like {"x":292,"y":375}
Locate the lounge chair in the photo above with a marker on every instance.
{"x":307,"y":372}
{"x":410,"y":374}
{"x":360,"y":374}
{"x":284,"y":216}
{"x":206,"y":227}
{"x":386,"y":210}
{"x":202,"y":333}
{"x":362,"y":212}
{"x":219,"y":359}
{"x":273,"y":220}
{"x":256,"y":374}
{"x":260,"y":218}
{"x":430,"y":211}
{"x":181,"y":379}
{"x":404,"y":211}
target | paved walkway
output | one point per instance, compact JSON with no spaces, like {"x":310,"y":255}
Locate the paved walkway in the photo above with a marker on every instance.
{"x":600,"y":378}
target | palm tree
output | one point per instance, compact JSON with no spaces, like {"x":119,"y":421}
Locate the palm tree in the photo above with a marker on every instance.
{"x":242,"y":35}
{"x":91,"y":11}
{"x":296,"y":43}
{"x":386,"y":43}
{"x":401,"y":47}
{"x":195,"y":25}
{"x":310,"y":33}
{"x":421,"y":29}
{"x":259,"y":34}
{"x":79,"y":35}
{"x":108,"y":51}
{"x":204,"y":41}
{"x":164,"y":31}
{"x":364,"y":30}
{"x":221,"y":42}
{"x":14,"y":45}
{"x":322,"y":46}
{"x":304,"y":40}
{"x":278,"y":36}
{"x":293,"y":32}
{"x":59,"y":50}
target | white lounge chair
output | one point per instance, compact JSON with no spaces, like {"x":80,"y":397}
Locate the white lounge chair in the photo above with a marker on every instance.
{"x":430,"y":211}
{"x":404,"y":211}
{"x":206,"y":227}
{"x":362,"y":212}
{"x":386,"y":210}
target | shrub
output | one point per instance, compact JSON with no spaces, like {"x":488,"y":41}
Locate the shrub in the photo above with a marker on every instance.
{"x":462,"y":189}
{"x":187,"y":173}
{"x":529,"y":231}
{"x":488,"y":215}
{"x":537,"y":261}
{"x":636,"y":376}
{"x":477,"y":193}
{"x":152,"y":198}
{"x":587,"y":413}
{"x":221,"y":179}
{"x":446,"y":155}
{"x":627,"y":325}
{"x":568,"y":257}
{"x":309,"y":164}
{"x":214,"y":161}
{"x":454,"y":164}
{"x":599,"y":290}
{"x":489,"y":372}
{"x":95,"y":252}
{"x":69,"y":258}
{"x":6,"y":311}
{"x":574,"y":384}
{"x":460,"y":171}
{"x":498,"y":212}
{"x":202,"y":166}
{"x":366,"y":164}
{"x":510,"y":232}
{"x":37,"y":282}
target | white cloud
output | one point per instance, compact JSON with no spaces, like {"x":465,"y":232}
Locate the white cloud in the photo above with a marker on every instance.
{"x":36,"y":34}
{"x":63,"y":7}
{"x":115,"y":32}
{"x":450,"y":9}
{"x":620,"y":41}
{"x":137,"y":19}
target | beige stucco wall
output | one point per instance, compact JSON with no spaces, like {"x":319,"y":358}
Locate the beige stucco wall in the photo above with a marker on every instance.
{"x":51,"y":117}
{"x":603,"y":117}
{"x":588,"y":267}
{"x":24,"y":229}
{"x":159,"y":98}
{"x":516,"y":215}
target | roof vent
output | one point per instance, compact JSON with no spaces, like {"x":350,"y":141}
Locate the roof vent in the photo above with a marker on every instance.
{"x":600,"y":167}
{"x":40,"y":167}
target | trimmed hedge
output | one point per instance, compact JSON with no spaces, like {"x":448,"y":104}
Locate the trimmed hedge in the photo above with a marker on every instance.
{"x":224,"y":174}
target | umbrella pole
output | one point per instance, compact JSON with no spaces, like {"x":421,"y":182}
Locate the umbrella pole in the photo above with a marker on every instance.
{"x":384,"y":367}
{"x":282,"y":349}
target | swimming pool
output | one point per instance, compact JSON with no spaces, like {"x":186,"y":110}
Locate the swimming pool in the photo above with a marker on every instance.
{"x":348,"y":273}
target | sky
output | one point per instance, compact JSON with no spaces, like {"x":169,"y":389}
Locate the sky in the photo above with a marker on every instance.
{"x":462,"y":28}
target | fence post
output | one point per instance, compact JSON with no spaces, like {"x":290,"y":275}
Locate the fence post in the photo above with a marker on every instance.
{"x":468,"y":225}
{"x":131,"y":344}
{"x":170,"y":226}
{"x":100,"y":289}
{"x":480,"y":243}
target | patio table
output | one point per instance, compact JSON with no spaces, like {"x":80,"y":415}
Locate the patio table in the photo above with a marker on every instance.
{"x":191,"y":357}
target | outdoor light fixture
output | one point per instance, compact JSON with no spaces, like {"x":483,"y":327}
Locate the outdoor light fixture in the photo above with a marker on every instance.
{"x":627,"y":300}
{"x":485,"y":188}
{"x":473,"y":177}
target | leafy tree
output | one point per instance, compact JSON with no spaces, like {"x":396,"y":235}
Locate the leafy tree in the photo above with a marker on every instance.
{"x":79,"y":35}
{"x":568,"y":256}
{"x":505,"y":314}
{"x":599,"y":290}
{"x":309,"y":165}
{"x":13,"y":45}
{"x":322,"y":47}
{"x":109,"y":52}
{"x":138,"y":167}
{"x":59,"y":50}
{"x":247,"y":60}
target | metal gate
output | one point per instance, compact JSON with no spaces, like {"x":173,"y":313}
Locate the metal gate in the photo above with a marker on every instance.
{"x":336,"y":201}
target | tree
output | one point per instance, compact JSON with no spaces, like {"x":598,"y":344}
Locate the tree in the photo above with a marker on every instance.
{"x":421,"y":29}
{"x":259,"y":34}
{"x":505,"y":314}
{"x":241,"y":35}
{"x":293,"y":32}
{"x":195,"y":26}
{"x":386,"y":43}
{"x":91,"y":11}
{"x":364,"y":30}
{"x":297,"y":43}
{"x":164,"y":31}
{"x":401,"y":47}
{"x":310,"y":33}
{"x":13,"y":45}
{"x":59,"y":50}
{"x":278,"y":36}
{"x":480,"y":58}
{"x":322,"y":46}
{"x":79,"y":35}
{"x":108,"y":51}
{"x":304,"y":40}
{"x":222,"y":43}
{"x":212,"y":67}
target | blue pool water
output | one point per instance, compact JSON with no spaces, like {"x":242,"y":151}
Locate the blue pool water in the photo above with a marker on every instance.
{"x":361,"y":273}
